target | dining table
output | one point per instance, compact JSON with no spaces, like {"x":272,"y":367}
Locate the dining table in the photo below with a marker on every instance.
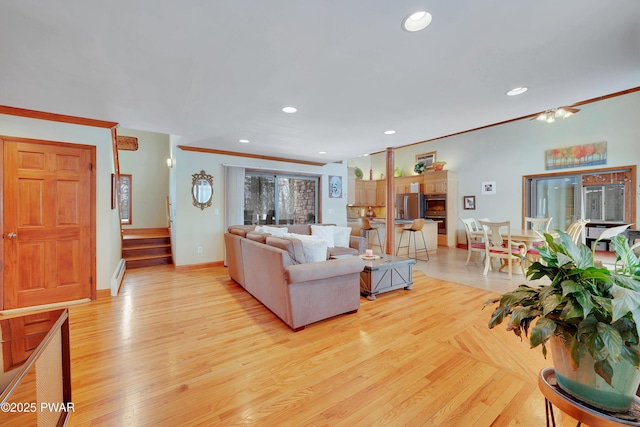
{"x":526,"y":236}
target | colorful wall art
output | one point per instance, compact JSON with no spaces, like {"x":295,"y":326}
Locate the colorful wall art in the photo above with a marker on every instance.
{"x":577,"y":155}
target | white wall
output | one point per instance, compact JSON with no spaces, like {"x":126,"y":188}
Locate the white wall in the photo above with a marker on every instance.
{"x":149,"y":178}
{"x":506,"y":152}
{"x":194,"y":227}
{"x":107,"y":227}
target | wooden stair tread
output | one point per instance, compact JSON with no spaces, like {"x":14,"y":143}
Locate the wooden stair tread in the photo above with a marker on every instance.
{"x":144,"y":236}
{"x":138,"y":258}
{"x":145,"y":247}
{"x":151,"y":246}
{"x":144,"y":233}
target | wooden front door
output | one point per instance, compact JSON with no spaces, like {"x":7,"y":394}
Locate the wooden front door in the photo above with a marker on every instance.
{"x":49,"y":217}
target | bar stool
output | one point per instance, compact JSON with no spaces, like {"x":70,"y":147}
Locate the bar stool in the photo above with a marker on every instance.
{"x":416,"y":227}
{"x":367,"y":229}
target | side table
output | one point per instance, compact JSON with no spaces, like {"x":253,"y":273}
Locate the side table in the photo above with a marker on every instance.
{"x":584,"y":413}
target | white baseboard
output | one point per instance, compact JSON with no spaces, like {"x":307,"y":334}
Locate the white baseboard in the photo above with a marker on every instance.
{"x":116,"y":279}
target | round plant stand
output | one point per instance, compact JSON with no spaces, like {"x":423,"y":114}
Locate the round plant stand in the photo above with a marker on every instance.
{"x":584,"y":413}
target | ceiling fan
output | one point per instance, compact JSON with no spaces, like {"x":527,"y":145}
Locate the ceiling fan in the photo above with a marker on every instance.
{"x":550,"y":116}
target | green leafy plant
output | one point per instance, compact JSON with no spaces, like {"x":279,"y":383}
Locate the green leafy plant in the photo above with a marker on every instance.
{"x":420,"y":167}
{"x":587,"y":306}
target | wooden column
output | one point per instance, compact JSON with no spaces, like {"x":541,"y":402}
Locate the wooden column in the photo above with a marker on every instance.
{"x":391,"y":202}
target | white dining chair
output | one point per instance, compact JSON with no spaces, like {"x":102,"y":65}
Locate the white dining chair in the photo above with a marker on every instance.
{"x":497,"y":236}
{"x":475,"y":241}
{"x":540,"y":226}
{"x":575,"y":230}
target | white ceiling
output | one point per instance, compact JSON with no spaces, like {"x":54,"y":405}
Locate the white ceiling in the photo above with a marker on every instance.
{"x":216,"y":71}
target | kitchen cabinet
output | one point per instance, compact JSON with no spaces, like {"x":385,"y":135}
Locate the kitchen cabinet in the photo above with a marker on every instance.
{"x":365,"y":193}
{"x":381,"y":192}
{"x":445,"y":183}
{"x":351,"y":187}
{"x":435,"y":182}
{"x":403,"y":184}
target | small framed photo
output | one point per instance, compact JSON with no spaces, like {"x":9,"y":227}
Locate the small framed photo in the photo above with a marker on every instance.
{"x":488,"y":187}
{"x":469,"y":202}
{"x":427,"y":159}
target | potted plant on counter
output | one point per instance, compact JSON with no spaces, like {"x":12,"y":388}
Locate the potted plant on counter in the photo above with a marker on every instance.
{"x":588,"y":315}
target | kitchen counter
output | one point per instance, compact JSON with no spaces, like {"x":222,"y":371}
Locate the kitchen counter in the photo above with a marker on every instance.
{"x":430,"y":231}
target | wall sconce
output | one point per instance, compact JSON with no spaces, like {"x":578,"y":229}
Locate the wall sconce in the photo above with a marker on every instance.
{"x":170,"y":162}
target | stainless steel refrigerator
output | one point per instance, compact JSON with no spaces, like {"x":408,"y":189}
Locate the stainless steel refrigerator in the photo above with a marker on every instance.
{"x":409,"y":206}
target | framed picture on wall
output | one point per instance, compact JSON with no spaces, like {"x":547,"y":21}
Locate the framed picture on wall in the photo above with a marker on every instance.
{"x":427,"y":159}
{"x":335,"y":187}
{"x":469,"y":202}
{"x":114,"y":191}
{"x":488,"y":187}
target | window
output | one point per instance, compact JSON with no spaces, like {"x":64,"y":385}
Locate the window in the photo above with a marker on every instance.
{"x":280,"y":199}
{"x":604,"y":203}
{"x":556,"y":198}
{"x":597,"y":195}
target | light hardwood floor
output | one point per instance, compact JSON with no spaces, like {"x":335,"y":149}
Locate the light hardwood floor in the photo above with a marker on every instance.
{"x":193,"y":348}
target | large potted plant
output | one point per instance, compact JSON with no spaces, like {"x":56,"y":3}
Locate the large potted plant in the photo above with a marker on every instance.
{"x":589,"y":315}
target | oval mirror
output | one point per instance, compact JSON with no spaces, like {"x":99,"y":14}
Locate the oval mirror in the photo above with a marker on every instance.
{"x":202,"y":189}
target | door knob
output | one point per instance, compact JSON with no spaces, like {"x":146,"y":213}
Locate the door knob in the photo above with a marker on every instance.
{"x":12,"y":235}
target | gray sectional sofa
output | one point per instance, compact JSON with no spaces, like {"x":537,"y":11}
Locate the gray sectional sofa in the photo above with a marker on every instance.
{"x":275,"y":271}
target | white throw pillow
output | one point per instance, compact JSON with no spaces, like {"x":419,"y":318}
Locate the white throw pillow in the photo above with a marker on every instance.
{"x":325,"y":232}
{"x":275,"y":231}
{"x":314,"y":248}
{"x":341,"y":236}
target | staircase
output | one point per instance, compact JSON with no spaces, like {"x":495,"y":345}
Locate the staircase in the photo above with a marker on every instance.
{"x":144,"y":247}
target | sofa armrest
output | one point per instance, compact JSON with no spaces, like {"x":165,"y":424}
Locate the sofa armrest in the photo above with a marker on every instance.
{"x":323,"y":270}
{"x":358,"y":243}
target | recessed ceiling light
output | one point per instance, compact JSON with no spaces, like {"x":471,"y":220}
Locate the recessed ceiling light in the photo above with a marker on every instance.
{"x":289,"y":109}
{"x":244,"y":141}
{"x":416,"y":21}
{"x":365,"y":155}
{"x":389,"y":132}
{"x":517,"y":91}
{"x":322,"y":152}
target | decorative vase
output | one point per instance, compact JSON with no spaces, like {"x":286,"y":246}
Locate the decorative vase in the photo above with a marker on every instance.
{"x":438,"y":166}
{"x":584,"y":384}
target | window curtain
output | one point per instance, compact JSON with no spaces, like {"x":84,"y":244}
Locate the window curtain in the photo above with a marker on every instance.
{"x":233,"y":198}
